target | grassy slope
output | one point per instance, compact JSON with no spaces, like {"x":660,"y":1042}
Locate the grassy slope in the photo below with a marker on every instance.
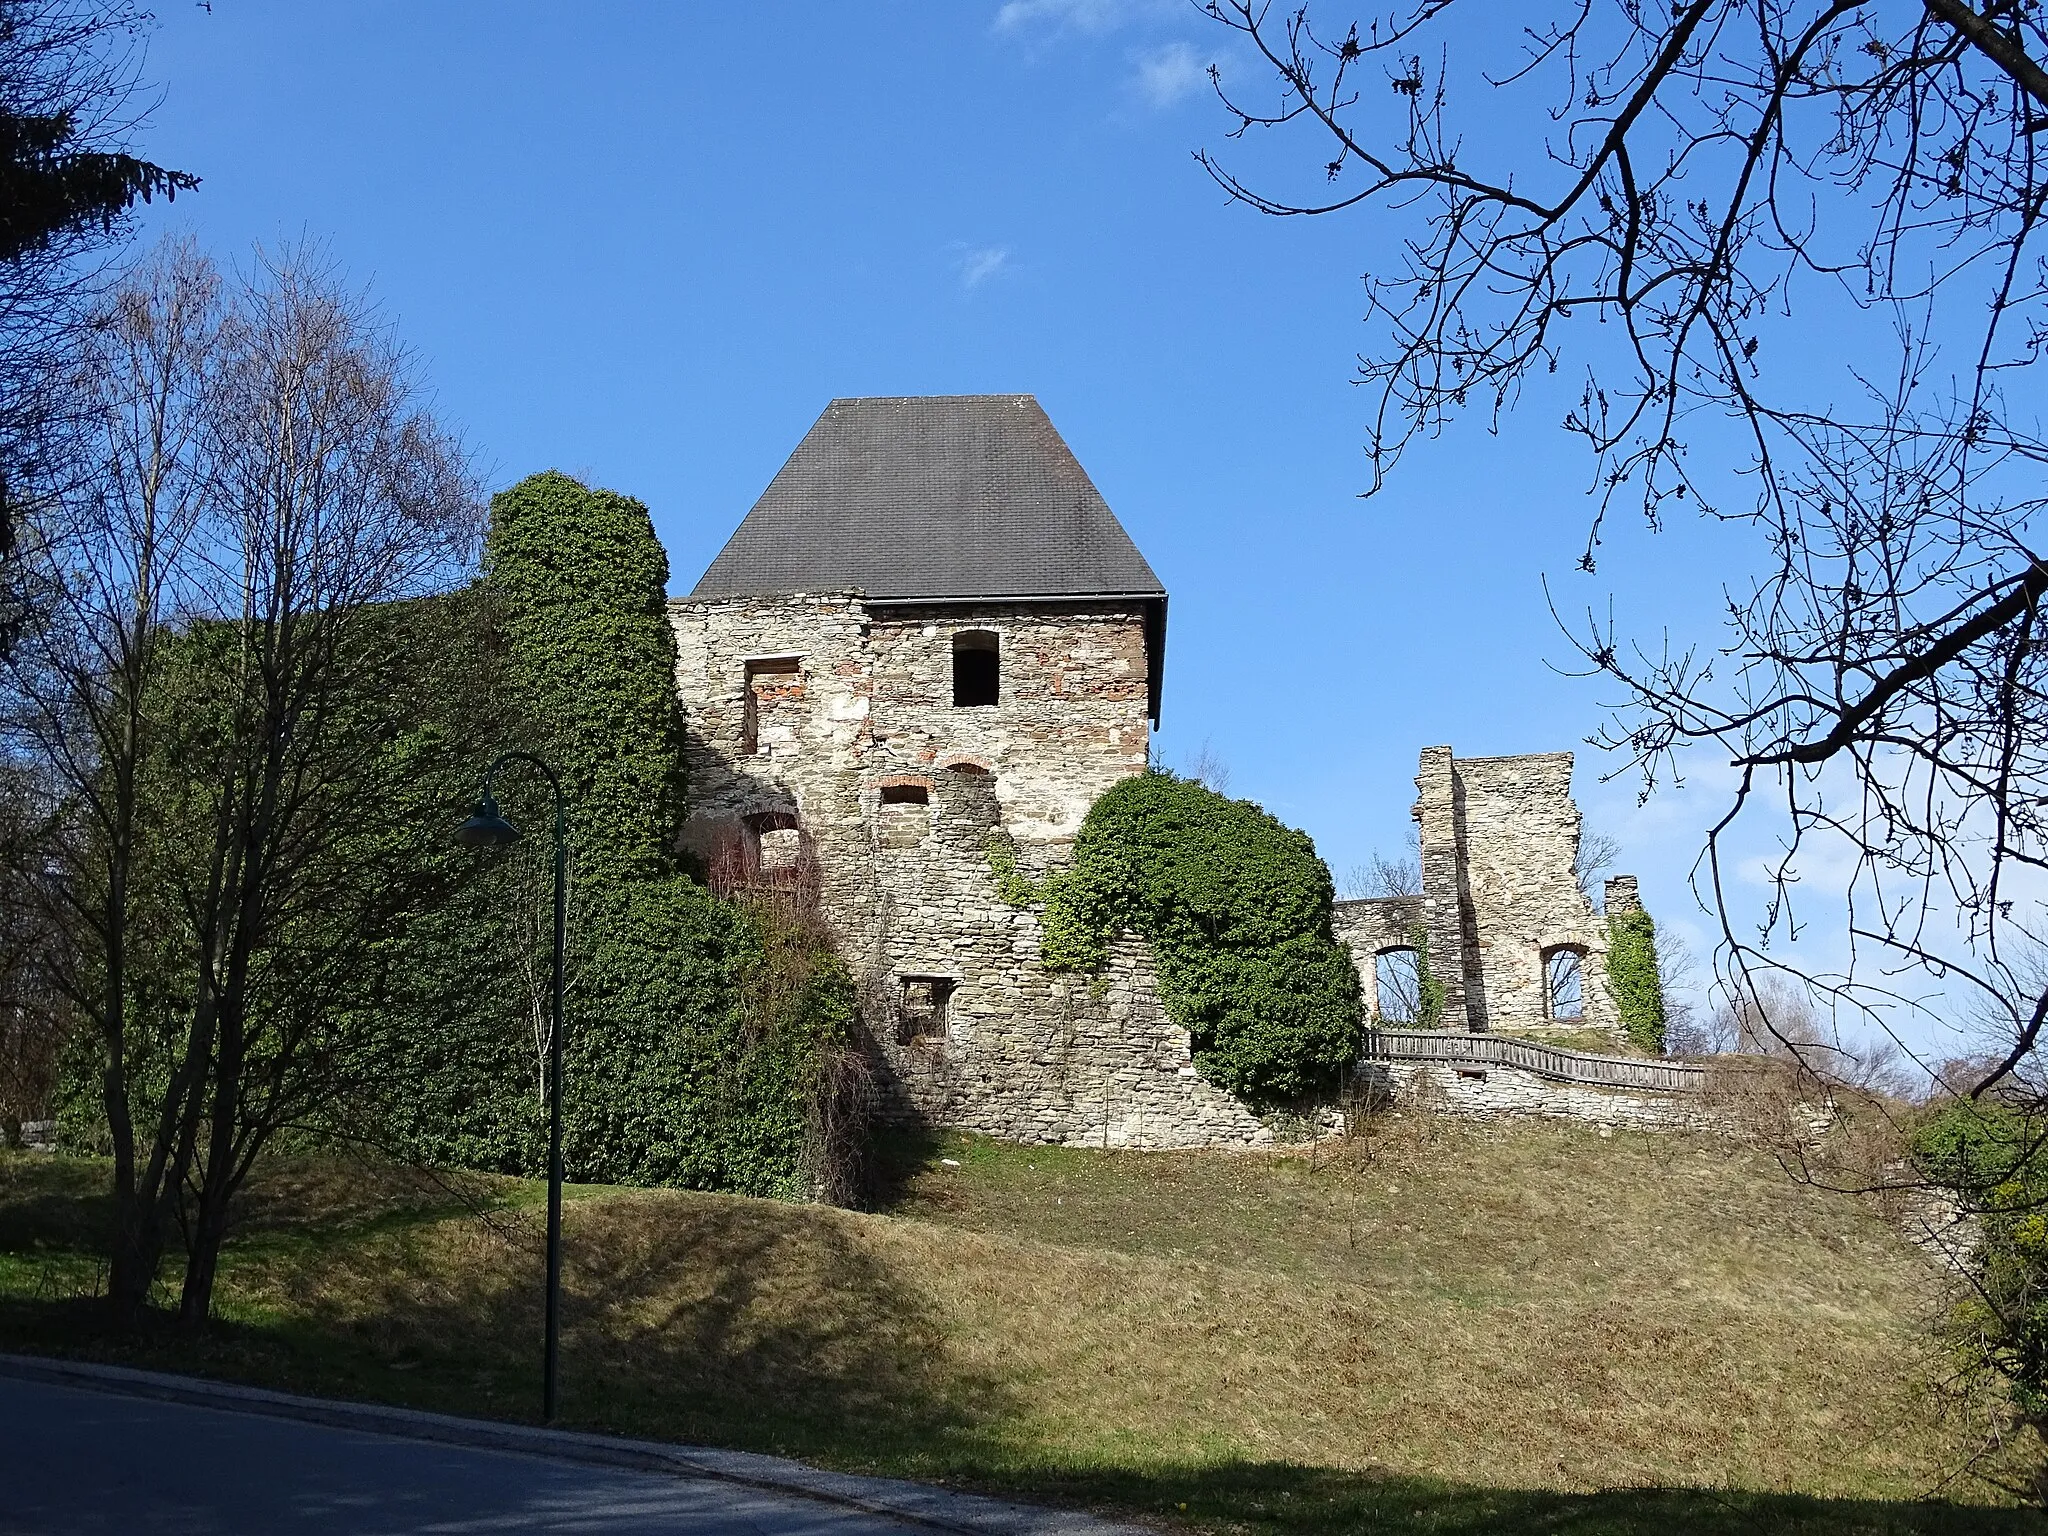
{"x":1452,"y":1329}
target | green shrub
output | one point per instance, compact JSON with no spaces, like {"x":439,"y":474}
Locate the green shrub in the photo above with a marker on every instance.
{"x":1633,"y":979}
{"x":1994,"y":1157}
{"x":679,"y":1070}
{"x":1236,"y":907}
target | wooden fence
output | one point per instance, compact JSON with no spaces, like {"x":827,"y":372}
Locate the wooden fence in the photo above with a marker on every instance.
{"x":1461,"y":1049}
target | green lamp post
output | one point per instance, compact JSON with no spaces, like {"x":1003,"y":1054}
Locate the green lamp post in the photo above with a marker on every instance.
{"x":487,"y":827}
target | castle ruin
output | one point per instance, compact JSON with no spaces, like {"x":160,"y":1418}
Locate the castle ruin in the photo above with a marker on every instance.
{"x":931,"y":629}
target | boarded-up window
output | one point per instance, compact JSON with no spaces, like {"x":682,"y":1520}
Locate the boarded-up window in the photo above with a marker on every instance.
{"x":921,"y":1010}
{"x":774,"y":684}
{"x":977,"y":669}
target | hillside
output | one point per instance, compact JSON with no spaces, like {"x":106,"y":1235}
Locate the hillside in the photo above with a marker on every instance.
{"x":1461,"y":1326}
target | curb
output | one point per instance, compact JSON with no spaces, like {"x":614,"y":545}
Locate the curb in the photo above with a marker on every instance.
{"x":964,"y":1514}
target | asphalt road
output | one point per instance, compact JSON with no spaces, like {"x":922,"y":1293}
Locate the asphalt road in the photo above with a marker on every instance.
{"x":75,"y":1462}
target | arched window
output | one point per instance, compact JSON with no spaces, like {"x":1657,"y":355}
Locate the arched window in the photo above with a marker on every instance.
{"x":977,"y":669}
{"x":1397,"y":977}
{"x":1564,"y":985}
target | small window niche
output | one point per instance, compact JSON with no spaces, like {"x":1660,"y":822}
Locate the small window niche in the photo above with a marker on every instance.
{"x":921,"y":1010}
{"x":779,"y":842}
{"x":1564,"y":986}
{"x":977,"y":669}
{"x":905,"y":814}
{"x":1397,"y":985}
{"x":773,"y":682}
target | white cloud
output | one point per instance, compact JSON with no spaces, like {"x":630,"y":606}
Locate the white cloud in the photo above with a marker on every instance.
{"x":980,"y":263}
{"x":1169,"y":72}
{"x":1072,"y":15}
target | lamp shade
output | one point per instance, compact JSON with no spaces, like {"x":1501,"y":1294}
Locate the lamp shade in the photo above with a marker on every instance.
{"x":487,"y":826}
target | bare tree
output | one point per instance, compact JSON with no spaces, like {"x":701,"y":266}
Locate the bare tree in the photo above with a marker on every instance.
{"x":1595,"y":856}
{"x":111,"y":560}
{"x":332,"y":493}
{"x":201,"y":687}
{"x":1206,"y":766}
{"x":31,"y":1031}
{"x":1380,"y":877}
{"x":1721,"y":184}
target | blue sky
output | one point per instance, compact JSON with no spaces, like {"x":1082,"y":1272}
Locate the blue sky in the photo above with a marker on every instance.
{"x":647,"y":243}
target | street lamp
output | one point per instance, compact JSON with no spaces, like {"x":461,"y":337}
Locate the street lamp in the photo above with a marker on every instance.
{"x":488,"y":828}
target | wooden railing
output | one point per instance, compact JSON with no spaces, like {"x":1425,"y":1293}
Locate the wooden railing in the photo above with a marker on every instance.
{"x":1554,"y":1062}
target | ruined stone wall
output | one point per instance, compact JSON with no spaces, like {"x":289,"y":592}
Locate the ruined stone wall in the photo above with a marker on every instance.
{"x":1497,"y":1092}
{"x":835,"y":717}
{"x":1499,"y":837}
{"x":1370,"y":928}
{"x":1519,"y":836}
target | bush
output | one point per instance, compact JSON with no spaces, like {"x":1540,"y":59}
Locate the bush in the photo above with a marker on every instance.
{"x":1993,"y":1156}
{"x":1236,"y":907}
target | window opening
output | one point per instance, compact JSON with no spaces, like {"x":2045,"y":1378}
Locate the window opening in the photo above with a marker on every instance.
{"x":1397,"y":983}
{"x":1564,"y":985}
{"x":770,"y":679}
{"x":921,"y":1010}
{"x":977,"y":669}
{"x":906,"y":794}
{"x":780,"y":841}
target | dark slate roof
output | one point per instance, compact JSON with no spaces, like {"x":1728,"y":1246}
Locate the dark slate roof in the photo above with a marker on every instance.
{"x":933,"y":496}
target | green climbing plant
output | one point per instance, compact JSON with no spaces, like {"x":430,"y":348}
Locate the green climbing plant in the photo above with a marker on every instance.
{"x":1429,"y":990}
{"x":1236,"y":907}
{"x":1633,"y":978}
{"x":1991,"y":1155}
{"x":702,"y":1031}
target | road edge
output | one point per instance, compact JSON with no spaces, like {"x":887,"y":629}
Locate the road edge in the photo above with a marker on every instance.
{"x":964,"y":1514}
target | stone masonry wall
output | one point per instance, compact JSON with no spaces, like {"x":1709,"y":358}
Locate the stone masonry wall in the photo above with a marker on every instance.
{"x":834,"y":717}
{"x":1519,"y":835}
{"x":1370,"y":928}
{"x":1497,"y":1092}
{"x":1499,"y":837}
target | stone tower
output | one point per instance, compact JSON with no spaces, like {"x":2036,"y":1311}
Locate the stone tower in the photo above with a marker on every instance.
{"x":929,"y":637}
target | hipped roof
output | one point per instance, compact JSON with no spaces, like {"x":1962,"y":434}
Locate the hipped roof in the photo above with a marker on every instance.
{"x":933,"y":496}
{"x":927,"y":498}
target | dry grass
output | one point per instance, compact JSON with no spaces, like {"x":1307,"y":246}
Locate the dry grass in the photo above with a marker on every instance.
{"x":1443,"y":1328}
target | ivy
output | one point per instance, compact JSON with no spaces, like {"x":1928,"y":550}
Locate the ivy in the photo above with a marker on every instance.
{"x":1633,"y":980}
{"x":1236,"y":907}
{"x":581,"y":583}
{"x":1430,"y":995}
{"x":692,"y":1057}
{"x":1015,"y":887}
